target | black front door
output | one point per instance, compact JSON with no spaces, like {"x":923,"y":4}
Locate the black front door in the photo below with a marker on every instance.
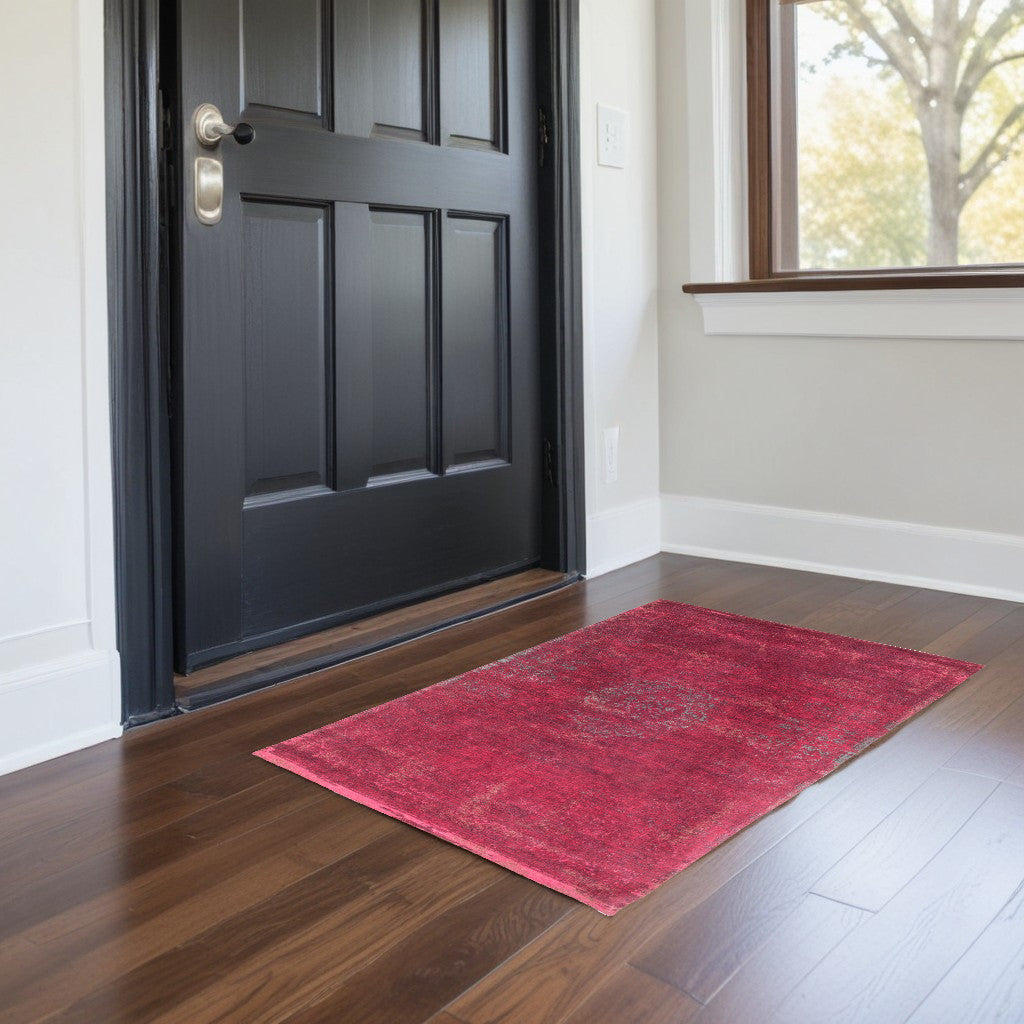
{"x":358,"y":373}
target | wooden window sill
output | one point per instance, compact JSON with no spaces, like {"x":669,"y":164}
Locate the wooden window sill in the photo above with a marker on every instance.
{"x":863,"y":282}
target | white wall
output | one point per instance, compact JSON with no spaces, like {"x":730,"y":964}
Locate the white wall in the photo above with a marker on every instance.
{"x":59,"y":686}
{"x":879,"y":435}
{"x":620,"y":280}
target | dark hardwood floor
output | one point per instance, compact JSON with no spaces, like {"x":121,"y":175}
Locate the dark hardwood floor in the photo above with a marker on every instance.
{"x":170,"y":876}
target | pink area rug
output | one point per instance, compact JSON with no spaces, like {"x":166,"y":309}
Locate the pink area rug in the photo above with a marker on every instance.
{"x":605,"y":761}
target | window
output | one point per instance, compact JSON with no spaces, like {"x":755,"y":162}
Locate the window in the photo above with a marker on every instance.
{"x":885,"y":135}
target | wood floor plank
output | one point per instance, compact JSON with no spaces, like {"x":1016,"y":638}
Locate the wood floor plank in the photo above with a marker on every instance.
{"x":853,"y":614}
{"x":992,"y":641}
{"x":94,"y":944}
{"x":26,"y":786}
{"x":40,"y":854}
{"x":962,"y":636}
{"x":47,"y":849}
{"x":145,"y":769}
{"x":370,"y":897}
{"x":923,"y":618}
{"x":261,"y":991}
{"x":986,"y":984}
{"x":873,"y":596}
{"x":421,"y":974}
{"x":974,"y":703}
{"x":715,"y":938}
{"x":760,"y":600}
{"x":889,"y":964}
{"x":801,"y":941}
{"x":997,"y":751}
{"x":748,"y":590}
{"x":309,"y":837}
{"x":1005,"y":1000}
{"x":630,"y":995}
{"x":897,"y":848}
{"x":822,"y":591}
{"x":21,"y":909}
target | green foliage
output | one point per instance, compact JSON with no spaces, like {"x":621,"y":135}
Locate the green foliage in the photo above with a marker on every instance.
{"x":992,"y":222}
{"x":864,"y":184}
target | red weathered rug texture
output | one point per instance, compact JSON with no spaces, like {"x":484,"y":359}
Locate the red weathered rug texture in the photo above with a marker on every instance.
{"x":605,"y":761}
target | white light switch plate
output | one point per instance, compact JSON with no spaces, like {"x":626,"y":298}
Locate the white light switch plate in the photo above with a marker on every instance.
{"x":612,"y":130}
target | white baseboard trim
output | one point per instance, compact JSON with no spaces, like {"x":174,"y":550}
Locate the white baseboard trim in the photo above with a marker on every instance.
{"x":58,"y":748}
{"x":937,"y":558}
{"x":57,"y":707}
{"x":622,"y":536}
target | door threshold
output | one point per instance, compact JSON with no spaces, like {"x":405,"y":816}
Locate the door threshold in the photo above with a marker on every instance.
{"x":272,"y":665}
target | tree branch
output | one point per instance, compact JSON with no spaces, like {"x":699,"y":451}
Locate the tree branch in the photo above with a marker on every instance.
{"x":993,"y":64}
{"x":893,"y":44}
{"x":968,"y":21}
{"x":981,"y":54}
{"x":998,"y":146}
{"x":904,"y":21}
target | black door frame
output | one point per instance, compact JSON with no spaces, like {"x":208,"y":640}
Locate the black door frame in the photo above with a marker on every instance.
{"x":138,"y":282}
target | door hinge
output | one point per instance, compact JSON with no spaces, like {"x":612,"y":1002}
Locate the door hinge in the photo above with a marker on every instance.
{"x":543,"y":133}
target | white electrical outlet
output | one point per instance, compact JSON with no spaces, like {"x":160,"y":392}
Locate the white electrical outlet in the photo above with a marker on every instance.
{"x":612,"y":130}
{"x":611,"y":455}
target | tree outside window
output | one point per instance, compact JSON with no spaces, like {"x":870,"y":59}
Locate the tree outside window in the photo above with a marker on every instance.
{"x":905,"y":141}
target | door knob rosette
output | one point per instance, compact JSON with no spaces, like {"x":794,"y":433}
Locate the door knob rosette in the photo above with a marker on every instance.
{"x":210,"y":127}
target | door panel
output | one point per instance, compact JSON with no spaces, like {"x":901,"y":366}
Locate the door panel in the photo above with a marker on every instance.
{"x":289,"y":347}
{"x":359,"y":361}
{"x":475,"y":342}
{"x":472,"y":75}
{"x":402,"y":342}
{"x":283,"y":73}
{"x":384,"y":74}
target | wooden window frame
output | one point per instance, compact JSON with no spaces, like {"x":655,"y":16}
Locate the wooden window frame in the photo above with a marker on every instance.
{"x":763,"y":215}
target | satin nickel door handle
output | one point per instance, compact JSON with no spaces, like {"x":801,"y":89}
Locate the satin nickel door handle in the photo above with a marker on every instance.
{"x":208,"y":172}
{"x":210,"y":127}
